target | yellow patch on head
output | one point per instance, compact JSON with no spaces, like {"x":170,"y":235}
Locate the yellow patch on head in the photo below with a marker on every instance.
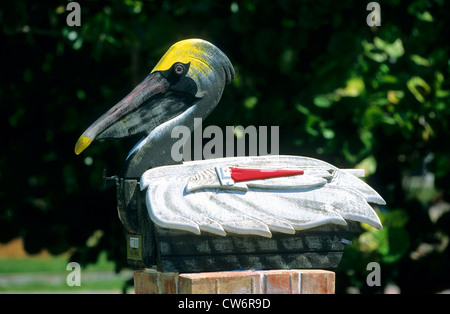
{"x":194,"y":51}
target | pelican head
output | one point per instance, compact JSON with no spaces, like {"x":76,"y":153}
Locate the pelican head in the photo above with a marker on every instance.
{"x":186,"y":83}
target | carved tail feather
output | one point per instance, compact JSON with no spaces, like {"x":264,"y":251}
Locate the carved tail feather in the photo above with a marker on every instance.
{"x":346,"y":179}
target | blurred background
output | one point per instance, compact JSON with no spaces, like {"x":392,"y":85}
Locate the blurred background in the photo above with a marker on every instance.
{"x":344,"y":92}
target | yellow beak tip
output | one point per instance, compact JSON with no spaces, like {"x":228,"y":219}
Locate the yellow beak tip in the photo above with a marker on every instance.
{"x":82,"y":143}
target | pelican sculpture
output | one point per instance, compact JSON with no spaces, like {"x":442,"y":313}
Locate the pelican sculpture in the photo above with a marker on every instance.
{"x":258,"y":196}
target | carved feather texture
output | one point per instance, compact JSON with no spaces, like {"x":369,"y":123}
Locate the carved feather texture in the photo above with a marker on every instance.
{"x":190,"y":197}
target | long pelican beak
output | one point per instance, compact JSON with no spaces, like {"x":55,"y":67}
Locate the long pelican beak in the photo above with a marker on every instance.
{"x":107,"y":125}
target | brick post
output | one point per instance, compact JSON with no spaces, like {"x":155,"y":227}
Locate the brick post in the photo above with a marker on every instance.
{"x":293,"y":281}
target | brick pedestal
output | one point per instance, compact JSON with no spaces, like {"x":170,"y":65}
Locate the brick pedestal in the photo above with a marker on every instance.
{"x":293,"y":281}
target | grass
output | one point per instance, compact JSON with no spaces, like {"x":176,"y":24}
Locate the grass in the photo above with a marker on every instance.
{"x":49,"y":274}
{"x":32,"y":264}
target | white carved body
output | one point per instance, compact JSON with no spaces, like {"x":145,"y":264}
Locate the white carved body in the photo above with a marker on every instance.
{"x":190,"y":197}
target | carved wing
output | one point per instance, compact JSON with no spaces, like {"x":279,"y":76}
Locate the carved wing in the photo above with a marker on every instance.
{"x":191,"y":197}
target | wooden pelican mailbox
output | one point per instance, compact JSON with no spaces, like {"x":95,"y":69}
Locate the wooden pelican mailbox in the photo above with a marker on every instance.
{"x":237,"y":213}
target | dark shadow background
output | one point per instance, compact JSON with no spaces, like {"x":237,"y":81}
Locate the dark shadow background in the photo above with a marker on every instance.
{"x":341,"y":91}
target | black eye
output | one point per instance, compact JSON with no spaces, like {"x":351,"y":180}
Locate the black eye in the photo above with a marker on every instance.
{"x":178,"y":68}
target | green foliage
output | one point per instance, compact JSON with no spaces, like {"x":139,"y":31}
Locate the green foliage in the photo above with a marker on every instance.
{"x":340,"y":91}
